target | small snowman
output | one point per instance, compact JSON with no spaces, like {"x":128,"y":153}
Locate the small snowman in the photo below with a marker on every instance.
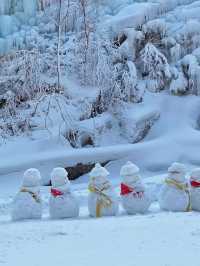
{"x":195,"y":189}
{"x":62,"y":202}
{"x":102,"y":200}
{"x":27,"y":203}
{"x":175,"y":194}
{"x":135,"y":199}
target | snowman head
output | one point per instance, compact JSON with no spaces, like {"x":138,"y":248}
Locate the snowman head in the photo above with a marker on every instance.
{"x":195,"y":175}
{"x":59,"y":177}
{"x":98,"y":175}
{"x":177,"y":172}
{"x":31,"y":178}
{"x":130,"y":173}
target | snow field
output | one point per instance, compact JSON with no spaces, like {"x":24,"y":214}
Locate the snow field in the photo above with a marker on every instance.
{"x":158,"y":239}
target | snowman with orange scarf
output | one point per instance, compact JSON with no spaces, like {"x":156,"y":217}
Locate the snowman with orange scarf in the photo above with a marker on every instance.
{"x":135,"y":198}
{"x":195,"y":189}
{"x":62,"y":202}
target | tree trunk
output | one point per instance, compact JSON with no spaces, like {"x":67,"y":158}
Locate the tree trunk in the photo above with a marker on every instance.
{"x":59,"y":46}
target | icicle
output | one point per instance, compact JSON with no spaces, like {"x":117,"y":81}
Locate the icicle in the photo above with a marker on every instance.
{"x":30,"y":7}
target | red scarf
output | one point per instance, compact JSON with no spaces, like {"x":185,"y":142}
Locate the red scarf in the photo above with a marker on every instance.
{"x":125,"y":190}
{"x":56,"y":193}
{"x":195,"y":183}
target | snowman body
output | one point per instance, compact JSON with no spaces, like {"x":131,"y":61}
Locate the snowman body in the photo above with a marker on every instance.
{"x":174,"y":195}
{"x":62,"y":202}
{"x":135,"y":199}
{"x":195,"y":189}
{"x":102,"y":200}
{"x":27,"y":204}
{"x":195,"y":198}
{"x":173,"y":199}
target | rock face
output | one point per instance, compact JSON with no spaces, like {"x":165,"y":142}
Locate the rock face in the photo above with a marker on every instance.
{"x":136,"y":125}
{"x":80,"y":169}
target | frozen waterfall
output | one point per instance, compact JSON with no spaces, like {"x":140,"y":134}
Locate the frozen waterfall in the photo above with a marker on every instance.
{"x":14,"y":15}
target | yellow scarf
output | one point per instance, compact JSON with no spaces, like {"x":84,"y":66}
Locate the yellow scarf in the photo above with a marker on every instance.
{"x":104,"y":200}
{"x":34,"y":195}
{"x":183,"y":187}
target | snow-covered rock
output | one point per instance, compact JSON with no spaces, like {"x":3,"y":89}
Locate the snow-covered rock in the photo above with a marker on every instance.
{"x":27,"y":203}
{"x":136,"y":122}
{"x":62,"y":202}
{"x":129,"y":47}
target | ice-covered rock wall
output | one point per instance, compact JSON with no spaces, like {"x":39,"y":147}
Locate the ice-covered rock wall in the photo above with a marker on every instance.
{"x":15,"y":17}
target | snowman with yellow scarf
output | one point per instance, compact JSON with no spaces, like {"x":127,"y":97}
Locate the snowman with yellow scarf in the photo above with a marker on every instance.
{"x":175,"y":194}
{"x":27,"y":204}
{"x":102,"y":200}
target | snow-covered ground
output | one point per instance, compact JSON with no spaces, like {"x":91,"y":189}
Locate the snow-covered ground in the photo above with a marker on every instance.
{"x":156,"y":239}
{"x":174,"y":137}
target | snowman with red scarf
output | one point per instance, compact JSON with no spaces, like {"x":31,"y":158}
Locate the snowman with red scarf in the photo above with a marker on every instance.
{"x":27,"y":204}
{"x":195,"y":189}
{"x":62,"y":202}
{"x":135,"y":199}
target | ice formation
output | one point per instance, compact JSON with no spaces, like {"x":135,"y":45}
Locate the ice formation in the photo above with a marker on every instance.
{"x":14,"y":15}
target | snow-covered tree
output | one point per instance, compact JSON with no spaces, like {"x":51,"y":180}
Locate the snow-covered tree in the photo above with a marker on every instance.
{"x":190,"y":68}
{"x":125,"y":77}
{"x":176,"y":52}
{"x":156,"y":68}
{"x":155,"y":30}
{"x":179,"y":84}
{"x":186,"y":80}
{"x":21,"y":73}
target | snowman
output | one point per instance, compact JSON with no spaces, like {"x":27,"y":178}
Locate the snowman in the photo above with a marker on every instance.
{"x":135,"y":199}
{"x":102,"y":200}
{"x":195,"y":189}
{"x":62,"y":202}
{"x":175,"y":194}
{"x":27,"y":203}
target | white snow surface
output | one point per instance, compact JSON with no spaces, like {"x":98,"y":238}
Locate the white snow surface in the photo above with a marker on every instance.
{"x":174,"y":137}
{"x":156,"y":238}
